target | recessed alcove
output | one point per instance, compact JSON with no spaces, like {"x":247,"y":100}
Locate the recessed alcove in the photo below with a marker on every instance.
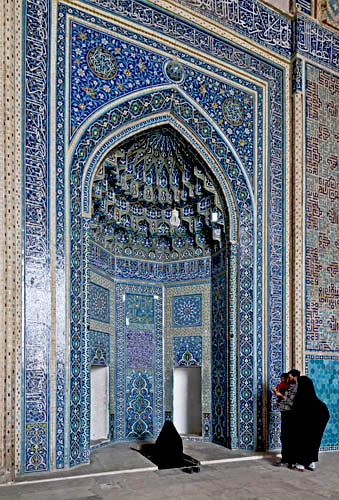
{"x":187,"y":400}
{"x":159,"y":231}
{"x":99,"y":404}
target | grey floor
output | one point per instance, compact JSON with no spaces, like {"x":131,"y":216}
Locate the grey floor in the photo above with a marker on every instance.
{"x":118,"y":472}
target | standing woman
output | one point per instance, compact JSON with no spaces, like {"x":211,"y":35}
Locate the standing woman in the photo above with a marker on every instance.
{"x":310,"y":417}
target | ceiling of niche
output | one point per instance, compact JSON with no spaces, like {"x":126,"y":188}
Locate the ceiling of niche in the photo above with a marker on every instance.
{"x":137,"y":187}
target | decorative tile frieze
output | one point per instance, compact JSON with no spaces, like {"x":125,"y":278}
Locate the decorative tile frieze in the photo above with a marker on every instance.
{"x":247,"y":17}
{"x":314,"y":41}
{"x":36,"y":238}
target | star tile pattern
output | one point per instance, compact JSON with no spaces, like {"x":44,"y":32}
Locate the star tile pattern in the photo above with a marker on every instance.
{"x":186,"y":311}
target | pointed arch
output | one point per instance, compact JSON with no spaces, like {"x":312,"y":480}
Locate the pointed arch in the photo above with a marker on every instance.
{"x":124,"y":120}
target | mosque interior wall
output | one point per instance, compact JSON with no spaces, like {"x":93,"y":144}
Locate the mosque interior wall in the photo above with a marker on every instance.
{"x":255,"y":111}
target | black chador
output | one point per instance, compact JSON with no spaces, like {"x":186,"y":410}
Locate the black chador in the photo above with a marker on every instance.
{"x":168,"y":448}
{"x":309,"y":417}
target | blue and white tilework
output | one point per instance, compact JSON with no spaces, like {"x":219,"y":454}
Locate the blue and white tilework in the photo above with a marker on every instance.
{"x":186,"y":311}
{"x":324,"y":371}
{"x":98,"y":303}
{"x":139,"y":354}
{"x":99,"y":348}
{"x":139,"y":349}
{"x":248,"y":17}
{"x":115,"y":83}
{"x":317,"y":43}
{"x":187,"y":351}
{"x":304,"y":6}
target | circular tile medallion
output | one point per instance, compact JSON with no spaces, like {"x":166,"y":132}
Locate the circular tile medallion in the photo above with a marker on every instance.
{"x":233,"y":111}
{"x":102,"y":63}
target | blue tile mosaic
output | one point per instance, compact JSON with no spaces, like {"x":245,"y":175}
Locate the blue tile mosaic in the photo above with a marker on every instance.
{"x":139,"y":349}
{"x":140,"y":270}
{"x":139,"y":404}
{"x":186,"y":310}
{"x":187,"y":351}
{"x":36,"y":451}
{"x":219,"y":359}
{"x":297,"y":75}
{"x":248,"y":17}
{"x":139,"y":390}
{"x":98,"y":303}
{"x":99,"y":348}
{"x":324,"y":371}
{"x":304,"y":6}
{"x":37,"y":304}
{"x":119,"y":117}
{"x":317,"y":43}
{"x":139,"y":311}
{"x":102,"y":63}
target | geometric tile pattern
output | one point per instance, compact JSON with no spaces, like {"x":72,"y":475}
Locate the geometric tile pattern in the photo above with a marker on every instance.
{"x":114,"y":119}
{"x":324,"y":371}
{"x":37,"y":222}
{"x":139,"y":349}
{"x":187,"y":351}
{"x":98,"y":303}
{"x":322,"y":210}
{"x":219,"y":360}
{"x":139,"y":358}
{"x":186,"y":310}
{"x":99,"y":348}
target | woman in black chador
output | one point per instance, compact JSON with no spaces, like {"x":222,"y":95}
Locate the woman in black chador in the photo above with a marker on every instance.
{"x":310,"y":416}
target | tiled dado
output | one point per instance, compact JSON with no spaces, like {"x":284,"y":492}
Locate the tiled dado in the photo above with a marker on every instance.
{"x":324,"y":371}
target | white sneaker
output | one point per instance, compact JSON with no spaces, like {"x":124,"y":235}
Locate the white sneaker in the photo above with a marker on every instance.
{"x":300,"y":467}
{"x":311,"y":466}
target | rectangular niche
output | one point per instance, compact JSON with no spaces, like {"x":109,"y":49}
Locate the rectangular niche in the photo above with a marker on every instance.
{"x":99,"y":403}
{"x":187,"y":400}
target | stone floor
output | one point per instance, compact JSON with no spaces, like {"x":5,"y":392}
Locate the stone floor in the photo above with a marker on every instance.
{"x":118,"y":472}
